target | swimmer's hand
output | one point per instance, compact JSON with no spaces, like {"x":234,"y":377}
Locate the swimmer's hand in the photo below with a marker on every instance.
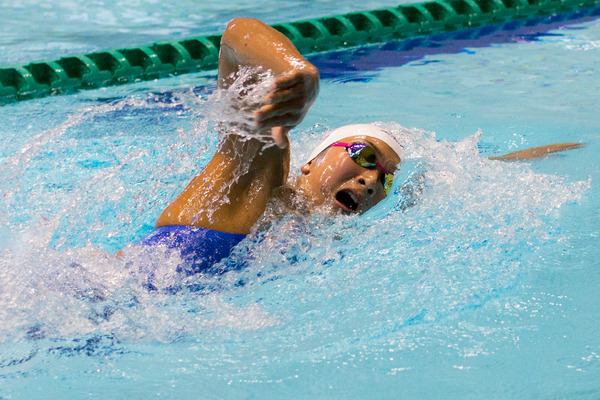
{"x":537,"y":152}
{"x":291,"y":96}
{"x":251,"y":43}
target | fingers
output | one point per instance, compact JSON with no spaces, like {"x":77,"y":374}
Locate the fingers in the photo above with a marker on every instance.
{"x":280,"y":120}
{"x":298,"y":90}
{"x":288,"y":80}
{"x":284,"y":107}
{"x":286,"y":114}
{"x":565,"y":146}
{"x":299,"y":83}
{"x":280,"y":96}
{"x":270,"y":110}
{"x":291,"y":96}
{"x":297,"y":74}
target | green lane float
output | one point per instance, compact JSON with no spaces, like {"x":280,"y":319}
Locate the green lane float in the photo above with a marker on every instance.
{"x":163,"y":59}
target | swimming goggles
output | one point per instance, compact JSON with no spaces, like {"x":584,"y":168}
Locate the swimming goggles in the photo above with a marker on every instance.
{"x":365,"y":156}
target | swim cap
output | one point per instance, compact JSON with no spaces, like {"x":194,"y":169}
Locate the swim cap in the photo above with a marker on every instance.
{"x":357,"y":130}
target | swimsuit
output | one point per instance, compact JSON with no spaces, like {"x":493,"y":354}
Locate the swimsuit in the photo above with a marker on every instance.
{"x":201,"y":248}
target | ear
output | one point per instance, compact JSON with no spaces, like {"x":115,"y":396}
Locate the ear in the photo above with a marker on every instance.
{"x":305,"y":169}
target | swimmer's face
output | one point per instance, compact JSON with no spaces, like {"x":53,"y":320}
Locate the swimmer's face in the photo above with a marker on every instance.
{"x":334,"y":179}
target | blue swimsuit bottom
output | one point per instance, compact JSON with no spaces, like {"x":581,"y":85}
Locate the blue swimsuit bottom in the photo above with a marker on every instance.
{"x":201,"y":248}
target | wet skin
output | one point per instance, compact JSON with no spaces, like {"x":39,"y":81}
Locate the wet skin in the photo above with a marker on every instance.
{"x":334,"y":178}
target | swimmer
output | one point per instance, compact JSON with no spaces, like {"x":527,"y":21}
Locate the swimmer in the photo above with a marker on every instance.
{"x":349,"y":172}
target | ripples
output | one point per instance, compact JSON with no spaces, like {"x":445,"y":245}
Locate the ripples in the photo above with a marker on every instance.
{"x":446,"y":274}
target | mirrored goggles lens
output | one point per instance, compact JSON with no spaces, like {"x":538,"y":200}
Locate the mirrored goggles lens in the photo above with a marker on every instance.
{"x":366,"y":157}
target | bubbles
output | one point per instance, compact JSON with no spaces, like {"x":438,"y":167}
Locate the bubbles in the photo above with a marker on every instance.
{"x":59,"y":198}
{"x":457,"y":233}
{"x":78,"y":191}
{"x":233,"y":109}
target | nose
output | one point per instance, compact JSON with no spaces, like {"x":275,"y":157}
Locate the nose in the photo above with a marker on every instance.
{"x":369,"y":178}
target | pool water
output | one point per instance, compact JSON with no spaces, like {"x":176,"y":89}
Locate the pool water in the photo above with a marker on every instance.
{"x":52,"y":29}
{"x":474,"y":279}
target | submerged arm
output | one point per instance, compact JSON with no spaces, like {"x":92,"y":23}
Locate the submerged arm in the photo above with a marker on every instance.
{"x":537,"y":152}
{"x":233,"y":190}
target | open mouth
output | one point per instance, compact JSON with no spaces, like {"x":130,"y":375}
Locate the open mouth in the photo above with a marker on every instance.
{"x":348,"y":200}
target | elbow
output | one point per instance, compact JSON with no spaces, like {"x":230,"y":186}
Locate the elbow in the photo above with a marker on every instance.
{"x":239,"y":27}
{"x":237,"y":22}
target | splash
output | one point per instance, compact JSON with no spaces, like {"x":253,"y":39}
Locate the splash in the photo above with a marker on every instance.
{"x":231,"y":113}
{"x":457,"y":231}
{"x":108,"y":180}
{"x":233,"y":109}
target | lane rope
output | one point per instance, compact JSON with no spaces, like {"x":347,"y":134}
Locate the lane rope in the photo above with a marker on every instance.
{"x":164,"y":59}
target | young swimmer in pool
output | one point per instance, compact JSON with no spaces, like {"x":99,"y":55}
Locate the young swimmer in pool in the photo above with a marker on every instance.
{"x":349,"y":172}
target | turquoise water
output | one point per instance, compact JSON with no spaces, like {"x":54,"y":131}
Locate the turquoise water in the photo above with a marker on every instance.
{"x":475,"y":279}
{"x":46,"y":31}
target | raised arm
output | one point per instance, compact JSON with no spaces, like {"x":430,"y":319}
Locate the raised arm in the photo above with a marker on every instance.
{"x":251,"y":42}
{"x":232,"y":191}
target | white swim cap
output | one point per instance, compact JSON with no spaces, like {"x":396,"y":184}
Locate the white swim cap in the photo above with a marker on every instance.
{"x":357,"y":130}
